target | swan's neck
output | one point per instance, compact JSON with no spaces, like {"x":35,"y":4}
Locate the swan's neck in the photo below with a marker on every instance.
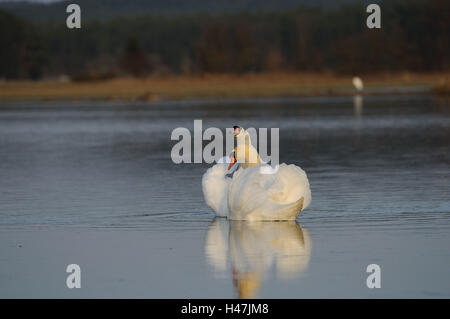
{"x":243,"y":138}
{"x":247,"y":156}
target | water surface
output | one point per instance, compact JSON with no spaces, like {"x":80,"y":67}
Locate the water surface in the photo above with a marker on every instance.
{"x":93,"y":183}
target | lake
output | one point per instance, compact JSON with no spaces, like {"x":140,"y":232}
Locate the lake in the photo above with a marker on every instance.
{"x":93,"y":184}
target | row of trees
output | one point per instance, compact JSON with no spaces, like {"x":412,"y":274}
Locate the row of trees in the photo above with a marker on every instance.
{"x":414,"y":37}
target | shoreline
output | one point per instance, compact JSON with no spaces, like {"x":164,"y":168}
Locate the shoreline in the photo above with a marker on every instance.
{"x":212,"y":86}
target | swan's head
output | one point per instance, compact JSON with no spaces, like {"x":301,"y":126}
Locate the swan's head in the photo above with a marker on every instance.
{"x":241,"y":135}
{"x":239,"y":131}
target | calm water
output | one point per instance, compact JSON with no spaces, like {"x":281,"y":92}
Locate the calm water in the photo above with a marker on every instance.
{"x":93,"y":184}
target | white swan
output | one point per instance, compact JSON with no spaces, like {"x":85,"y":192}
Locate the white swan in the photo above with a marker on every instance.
{"x":252,"y":194}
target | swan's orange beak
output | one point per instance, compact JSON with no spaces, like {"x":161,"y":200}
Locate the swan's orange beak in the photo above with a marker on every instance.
{"x":233,"y":161}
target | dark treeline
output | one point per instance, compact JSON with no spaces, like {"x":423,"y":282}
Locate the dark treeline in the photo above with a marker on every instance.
{"x":107,"y":9}
{"x":413,"y":37}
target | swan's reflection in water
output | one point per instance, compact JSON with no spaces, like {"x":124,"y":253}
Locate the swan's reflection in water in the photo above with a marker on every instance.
{"x":249,"y":250}
{"x":357,"y":105}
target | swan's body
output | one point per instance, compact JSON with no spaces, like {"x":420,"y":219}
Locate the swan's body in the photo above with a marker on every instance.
{"x":252,"y":193}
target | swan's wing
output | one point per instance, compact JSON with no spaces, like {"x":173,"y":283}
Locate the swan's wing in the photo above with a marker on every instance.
{"x":291,"y":184}
{"x":256,"y":195}
{"x":271,"y":210}
{"x":247,"y":191}
{"x":215,"y":189}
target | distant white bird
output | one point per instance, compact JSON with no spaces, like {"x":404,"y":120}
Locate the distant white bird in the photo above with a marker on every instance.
{"x":358,"y":83}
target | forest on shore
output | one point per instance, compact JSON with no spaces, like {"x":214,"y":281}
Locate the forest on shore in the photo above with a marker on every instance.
{"x":413,"y":38}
